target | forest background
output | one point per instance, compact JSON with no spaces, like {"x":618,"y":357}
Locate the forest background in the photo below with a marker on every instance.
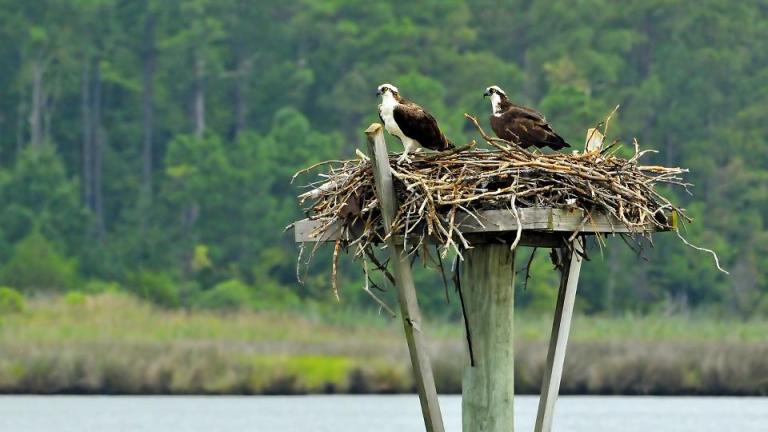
{"x":146,"y":147}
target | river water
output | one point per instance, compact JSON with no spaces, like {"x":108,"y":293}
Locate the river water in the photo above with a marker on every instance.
{"x":366,"y":413}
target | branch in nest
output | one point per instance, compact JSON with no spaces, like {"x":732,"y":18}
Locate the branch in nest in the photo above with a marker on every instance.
{"x":451,"y":152}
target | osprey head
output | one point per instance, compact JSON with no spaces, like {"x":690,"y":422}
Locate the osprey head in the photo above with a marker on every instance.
{"x":492,"y":90}
{"x":382,"y":89}
{"x":497,"y":98}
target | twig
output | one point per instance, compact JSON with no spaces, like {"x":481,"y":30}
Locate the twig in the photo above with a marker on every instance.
{"x":442,"y":274}
{"x":608,"y":120}
{"x":519,"y":233}
{"x":457,"y":283}
{"x":370,"y":293}
{"x":710,"y":251}
{"x":334,"y":269}
{"x":528,"y":269}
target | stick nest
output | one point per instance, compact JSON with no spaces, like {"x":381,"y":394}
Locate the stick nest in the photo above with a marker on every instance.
{"x":433,"y":189}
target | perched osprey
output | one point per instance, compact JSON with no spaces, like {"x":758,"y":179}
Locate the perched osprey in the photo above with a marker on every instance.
{"x":415,"y":127}
{"x":522,"y":125}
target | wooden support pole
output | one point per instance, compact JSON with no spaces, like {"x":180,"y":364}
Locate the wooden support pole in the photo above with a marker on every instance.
{"x":406,"y":291}
{"x":558,"y":340}
{"x":488,"y":388}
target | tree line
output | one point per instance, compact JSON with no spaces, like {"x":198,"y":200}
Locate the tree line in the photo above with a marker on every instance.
{"x":150,"y":143}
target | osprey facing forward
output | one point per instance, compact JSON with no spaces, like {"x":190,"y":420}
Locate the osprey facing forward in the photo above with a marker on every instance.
{"x":415,"y":127}
{"x":519,"y":124}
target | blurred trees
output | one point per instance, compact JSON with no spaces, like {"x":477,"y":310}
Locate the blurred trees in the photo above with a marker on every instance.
{"x":152,"y":142}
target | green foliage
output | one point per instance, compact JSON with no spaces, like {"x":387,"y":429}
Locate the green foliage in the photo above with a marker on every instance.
{"x":36,"y":265}
{"x":96,"y":286}
{"x":307,"y":373}
{"x":540,"y":293}
{"x":157,"y":287}
{"x":245,"y":93}
{"x":11,"y":301}
{"x":229,"y":295}
{"x":76,"y":298}
{"x":38,"y":195}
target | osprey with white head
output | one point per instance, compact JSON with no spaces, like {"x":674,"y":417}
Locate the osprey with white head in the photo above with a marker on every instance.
{"x":409,"y":122}
{"x":496,"y":94}
{"x":524,"y":126}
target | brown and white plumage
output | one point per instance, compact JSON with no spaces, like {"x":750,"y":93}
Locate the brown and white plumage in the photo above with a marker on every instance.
{"x":412,"y":124}
{"x":520,"y":124}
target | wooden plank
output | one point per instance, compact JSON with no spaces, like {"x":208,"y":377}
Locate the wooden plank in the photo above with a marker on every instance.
{"x":406,"y":291}
{"x":495,"y":221}
{"x":488,"y":290}
{"x":306,"y":230}
{"x":558,"y":341}
{"x":544,"y":219}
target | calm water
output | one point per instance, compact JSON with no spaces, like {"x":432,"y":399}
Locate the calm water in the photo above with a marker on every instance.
{"x":366,"y":413}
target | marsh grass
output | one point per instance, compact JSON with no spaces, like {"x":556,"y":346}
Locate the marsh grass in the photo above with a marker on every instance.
{"x":115,"y":344}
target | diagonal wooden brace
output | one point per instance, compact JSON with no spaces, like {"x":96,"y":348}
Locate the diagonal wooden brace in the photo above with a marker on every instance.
{"x":558,"y":341}
{"x":406,"y":291}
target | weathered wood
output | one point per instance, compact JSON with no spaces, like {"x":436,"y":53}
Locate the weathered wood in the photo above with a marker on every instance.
{"x":558,"y":341}
{"x":488,"y":388}
{"x":406,"y":291}
{"x":495,"y":221}
{"x":305,"y":230}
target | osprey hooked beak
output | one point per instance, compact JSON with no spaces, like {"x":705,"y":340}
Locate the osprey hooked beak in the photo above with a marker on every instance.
{"x":386,"y":87}
{"x":494,"y":90}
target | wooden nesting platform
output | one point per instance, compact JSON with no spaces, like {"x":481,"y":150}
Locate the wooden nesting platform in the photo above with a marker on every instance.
{"x":487,"y":283}
{"x":541,"y":227}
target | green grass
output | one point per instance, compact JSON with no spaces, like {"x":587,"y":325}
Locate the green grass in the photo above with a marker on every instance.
{"x":649,"y":328}
{"x":115,"y":316}
{"x":114,"y":343}
{"x":110,"y":317}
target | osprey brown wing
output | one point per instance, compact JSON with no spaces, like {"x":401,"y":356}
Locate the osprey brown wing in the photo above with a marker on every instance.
{"x":527,"y":127}
{"x":418,"y":124}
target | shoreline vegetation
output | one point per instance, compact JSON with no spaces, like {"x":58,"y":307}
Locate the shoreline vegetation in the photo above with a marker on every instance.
{"x":113,"y":343}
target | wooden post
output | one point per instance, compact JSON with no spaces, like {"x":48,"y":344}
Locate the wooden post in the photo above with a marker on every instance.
{"x":406,"y":292}
{"x":558,"y":341}
{"x":488,"y":388}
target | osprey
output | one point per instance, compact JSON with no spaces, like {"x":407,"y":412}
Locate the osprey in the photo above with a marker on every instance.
{"x":519,"y":124}
{"x":415,"y":127}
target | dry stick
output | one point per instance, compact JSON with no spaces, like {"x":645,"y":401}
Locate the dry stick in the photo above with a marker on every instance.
{"x":519,"y":233}
{"x":311,"y":167}
{"x":717,"y":261}
{"x":334,"y":269}
{"x":298,"y":264}
{"x":587,"y":217}
{"x":608,"y":120}
{"x":377,"y":299}
{"x":457,"y":284}
{"x":527,"y":269}
{"x":451,"y":152}
{"x":442,"y":274}
{"x":633,"y":245}
{"x":379,"y":265}
{"x":375,"y":285}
